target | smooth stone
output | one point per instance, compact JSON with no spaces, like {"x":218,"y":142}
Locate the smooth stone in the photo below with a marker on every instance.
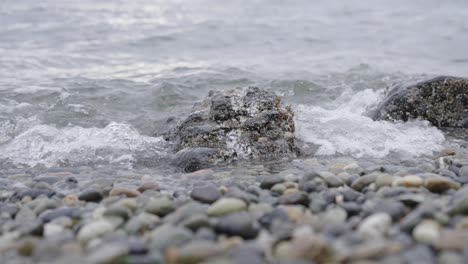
{"x":90,"y":196}
{"x":160,"y":206}
{"x":330,"y":179}
{"x":410,"y":181}
{"x":306,"y":245}
{"x":363,"y":181}
{"x":146,"y":186}
{"x":226,"y":206}
{"x":48,"y":216}
{"x":383,"y":180}
{"x":32,"y":193}
{"x":375,"y":226}
{"x":119,"y":211}
{"x":114,"y":252}
{"x":196,"y":221}
{"x":294,"y":198}
{"x":52,"y":229}
{"x":278,"y":189}
{"x":460,"y":206}
{"x":194,"y":252}
{"x":260,"y":209}
{"x":450,"y":257}
{"x":206,"y":194}
{"x":427,"y":231}
{"x":185,"y":211}
{"x":394,"y":208}
{"x":151,"y":258}
{"x":419,"y":254}
{"x":463,"y":172}
{"x":439,"y":184}
{"x":267,"y":182}
{"x":122,"y":191}
{"x":142,"y":222}
{"x":452,"y":240}
{"x":44,"y":204}
{"x":238,"y":224}
{"x":98,"y":228}
{"x":334,"y":215}
{"x":235,"y":192}
{"x":169,"y":236}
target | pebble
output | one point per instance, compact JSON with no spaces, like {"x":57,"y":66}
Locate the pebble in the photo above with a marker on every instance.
{"x":226,"y":206}
{"x":439,"y":184}
{"x":98,"y":228}
{"x":168,"y":235}
{"x":267,"y":182}
{"x":110,"y":253}
{"x":363,"y":181}
{"x":294,"y":198}
{"x":428,"y":231}
{"x":331,"y":179}
{"x":141,"y":222}
{"x":90,"y":196}
{"x":238,"y":224}
{"x":194,"y":252}
{"x":410,"y":181}
{"x":146,"y":186}
{"x":118,"y":191}
{"x":375,"y":226}
{"x":383,"y":180}
{"x":160,"y":206}
{"x":206,"y":194}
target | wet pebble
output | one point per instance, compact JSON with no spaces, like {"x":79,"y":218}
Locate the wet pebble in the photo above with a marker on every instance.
{"x":206,"y":194}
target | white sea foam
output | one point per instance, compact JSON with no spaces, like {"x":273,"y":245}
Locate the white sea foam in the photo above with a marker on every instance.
{"x":50,"y":146}
{"x":347,"y":130}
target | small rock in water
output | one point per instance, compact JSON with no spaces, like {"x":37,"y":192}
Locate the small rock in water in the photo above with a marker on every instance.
{"x":427,"y":231}
{"x":238,"y":224}
{"x":206,"y":194}
{"x":375,"y":226}
{"x":90,"y":196}
{"x":118,"y":191}
{"x":266,"y":182}
{"x":439,"y":184}
{"x":160,"y":206}
{"x":295,"y":198}
{"x":226,"y":206}
{"x":148,"y":186}
{"x":411,"y":181}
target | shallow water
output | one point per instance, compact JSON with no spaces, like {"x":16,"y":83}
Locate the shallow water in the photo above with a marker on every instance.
{"x":85,"y":85}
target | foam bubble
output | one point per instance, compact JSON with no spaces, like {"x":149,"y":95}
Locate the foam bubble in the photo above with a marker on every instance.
{"x":50,"y":146}
{"x":346,"y":129}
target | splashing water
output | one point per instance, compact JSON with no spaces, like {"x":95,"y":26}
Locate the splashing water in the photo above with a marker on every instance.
{"x":116,"y":143}
{"x":347,"y":130}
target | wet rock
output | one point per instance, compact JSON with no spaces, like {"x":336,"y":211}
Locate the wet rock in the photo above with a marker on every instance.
{"x":143,"y":221}
{"x":194,"y":252}
{"x":363,"y":181}
{"x":160,"y":206}
{"x":375,"y":226}
{"x":109,"y":253}
{"x":411,"y":181}
{"x":439,"y":184}
{"x":452,"y":240}
{"x":226,"y":206}
{"x":98,"y":228}
{"x":267,"y":182}
{"x":90,"y":196}
{"x":236,"y":124}
{"x":238,"y":224}
{"x":169,"y":236}
{"x":206,"y":194}
{"x":194,"y":159}
{"x":33,"y":193}
{"x":419,"y":254}
{"x":427,"y":231}
{"x":148,"y":186}
{"x":73,"y":213}
{"x":443,"y":101}
{"x":295,"y":198}
{"x":449,"y":257}
{"x":119,"y":211}
{"x":123,"y":191}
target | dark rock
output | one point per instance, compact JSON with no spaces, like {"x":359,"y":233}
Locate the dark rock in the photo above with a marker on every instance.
{"x":238,"y":224}
{"x":266,"y":182}
{"x":33,"y":193}
{"x":193,"y":159}
{"x":419,"y":254}
{"x":90,"y":196}
{"x":443,"y":101}
{"x":50,"y":215}
{"x":238,"y":193}
{"x":295,"y":198}
{"x":206,"y":194}
{"x":237,"y":124}
{"x":277,"y":214}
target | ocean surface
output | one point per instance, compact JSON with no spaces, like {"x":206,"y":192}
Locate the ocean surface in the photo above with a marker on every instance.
{"x":86,"y":85}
